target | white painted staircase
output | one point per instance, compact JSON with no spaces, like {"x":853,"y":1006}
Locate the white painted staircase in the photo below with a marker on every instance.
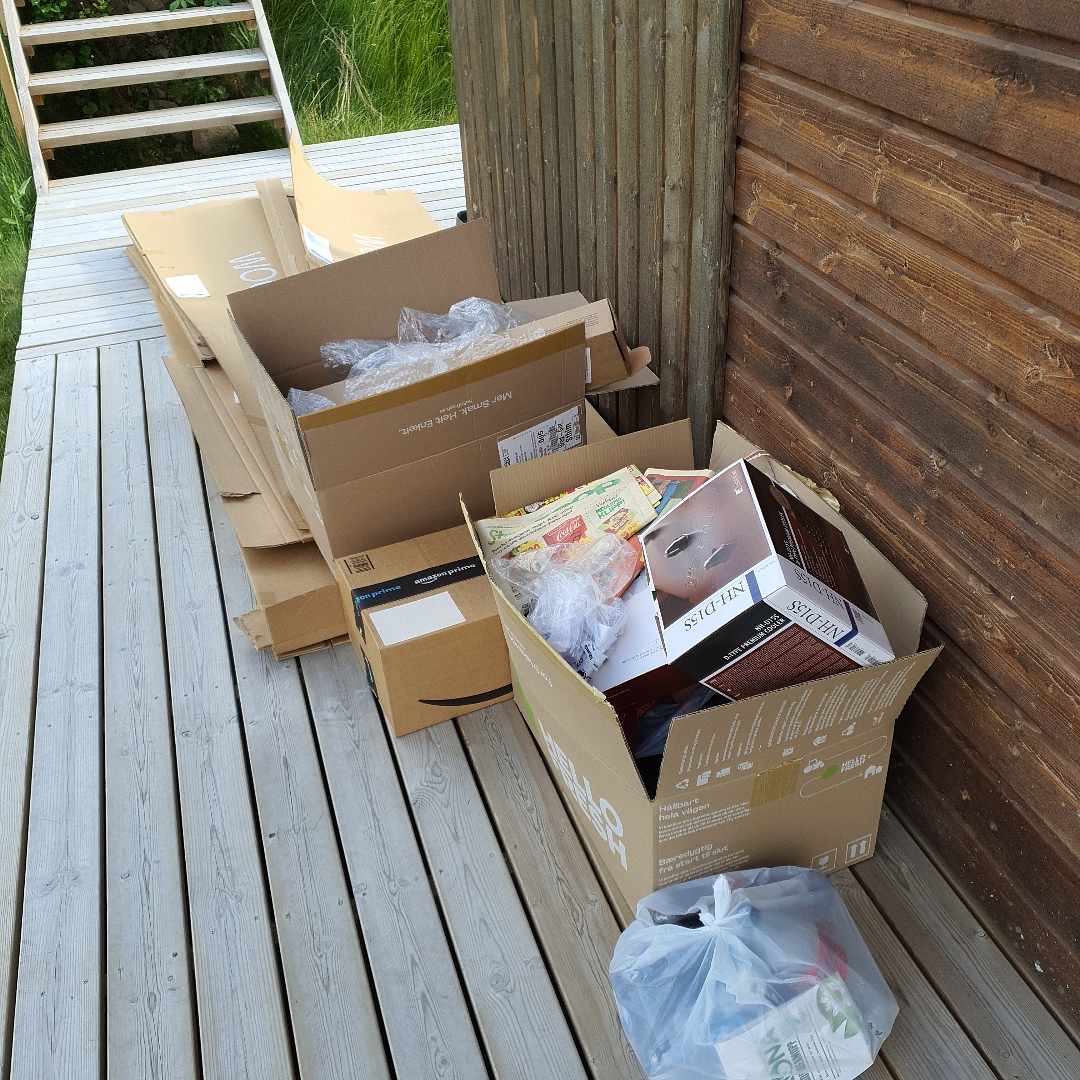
{"x":31,"y":88}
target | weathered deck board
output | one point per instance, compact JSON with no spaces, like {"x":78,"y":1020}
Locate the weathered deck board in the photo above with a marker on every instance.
{"x":574,"y":922}
{"x":24,"y":499}
{"x":334,"y":1022}
{"x":243,"y":1028}
{"x":150,"y":994}
{"x":521,"y":1022}
{"x":58,"y":1001}
{"x":993,"y":1003}
{"x":428,"y":1026}
{"x":926,"y":1042}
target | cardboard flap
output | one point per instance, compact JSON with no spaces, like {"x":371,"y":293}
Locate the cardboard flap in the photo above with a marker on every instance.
{"x":900,"y":607}
{"x":286,"y":322}
{"x":281,"y":220}
{"x":669,"y":446}
{"x":337,"y":223}
{"x":810,"y":720}
{"x":638,"y":359}
{"x":641,"y":379}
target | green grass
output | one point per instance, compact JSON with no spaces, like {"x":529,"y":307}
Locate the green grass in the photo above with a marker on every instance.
{"x":16,"y":215}
{"x":353,"y":67}
{"x":362,"y":67}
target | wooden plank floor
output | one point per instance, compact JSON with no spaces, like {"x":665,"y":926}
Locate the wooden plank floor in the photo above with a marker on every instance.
{"x":214,"y":865}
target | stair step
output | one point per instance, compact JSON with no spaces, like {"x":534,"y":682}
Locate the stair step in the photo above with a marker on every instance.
{"x":147,"y":71}
{"x":139,"y":22}
{"x":159,"y":121}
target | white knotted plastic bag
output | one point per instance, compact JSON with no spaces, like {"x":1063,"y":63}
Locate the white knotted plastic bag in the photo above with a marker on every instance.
{"x":752,"y":975}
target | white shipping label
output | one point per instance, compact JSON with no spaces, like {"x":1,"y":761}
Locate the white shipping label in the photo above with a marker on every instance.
{"x":317,"y":245}
{"x":416,"y":618}
{"x":588,"y":365}
{"x":562,"y":432}
{"x":187,"y":287}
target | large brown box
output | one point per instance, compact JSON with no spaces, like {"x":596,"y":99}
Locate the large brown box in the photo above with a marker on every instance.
{"x":377,"y":471}
{"x":796,"y":776}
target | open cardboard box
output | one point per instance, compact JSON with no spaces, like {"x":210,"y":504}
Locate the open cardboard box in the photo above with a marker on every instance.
{"x":377,"y":471}
{"x":795,"y":776}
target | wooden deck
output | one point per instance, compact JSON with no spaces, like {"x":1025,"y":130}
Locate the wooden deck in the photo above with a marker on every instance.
{"x":216,"y":865}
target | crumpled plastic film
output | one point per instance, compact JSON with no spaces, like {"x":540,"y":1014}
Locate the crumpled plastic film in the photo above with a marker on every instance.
{"x":472,"y":317}
{"x":303,"y":402}
{"x":342,"y":356}
{"x":398,"y":364}
{"x":570,"y":596}
{"x":427,"y":345}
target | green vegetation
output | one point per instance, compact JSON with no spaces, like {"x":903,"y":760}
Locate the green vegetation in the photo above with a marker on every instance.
{"x":16,"y":214}
{"x":353,"y":67}
{"x":361,"y":67}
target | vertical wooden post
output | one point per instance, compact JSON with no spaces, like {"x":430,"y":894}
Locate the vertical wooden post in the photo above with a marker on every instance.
{"x":599,"y":140}
{"x":11,"y":96}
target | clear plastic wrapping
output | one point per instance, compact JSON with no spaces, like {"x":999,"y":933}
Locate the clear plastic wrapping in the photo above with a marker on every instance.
{"x":303,"y":402}
{"x":427,"y":345}
{"x":752,"y":974}
{"x":473,"y":317}
{"x":570,"y":596}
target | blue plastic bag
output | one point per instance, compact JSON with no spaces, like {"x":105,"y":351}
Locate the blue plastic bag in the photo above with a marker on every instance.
{"x":752,"y":975}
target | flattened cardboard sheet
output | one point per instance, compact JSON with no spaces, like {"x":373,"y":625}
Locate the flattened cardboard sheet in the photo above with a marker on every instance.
{"x":337,"y":223}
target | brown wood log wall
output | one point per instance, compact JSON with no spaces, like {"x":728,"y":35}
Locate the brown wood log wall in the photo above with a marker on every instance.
{"x":597,"y":140}
{"x":904,"y":326}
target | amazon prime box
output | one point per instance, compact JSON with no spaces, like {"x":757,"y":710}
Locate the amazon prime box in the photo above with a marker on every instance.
{"x":423,"y":623}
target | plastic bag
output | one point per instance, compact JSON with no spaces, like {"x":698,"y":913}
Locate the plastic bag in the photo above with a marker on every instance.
{"x":570,"y":593}
{"x":473,"y":317}
{"x":748,"y":976}
{"x":402,"y":364}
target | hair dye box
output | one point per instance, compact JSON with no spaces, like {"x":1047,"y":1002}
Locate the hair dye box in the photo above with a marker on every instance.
{"x":423,"y":623}
{"x":795,"y":776}
{"x":754,"y":591}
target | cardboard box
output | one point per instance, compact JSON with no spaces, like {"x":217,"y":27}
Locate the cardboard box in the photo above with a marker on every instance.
{"x":754,"y":591}
{"x":796,"y":776}
{"x":410,"y":450}
{"x":611,"y":363}
{"x":423,"y":622}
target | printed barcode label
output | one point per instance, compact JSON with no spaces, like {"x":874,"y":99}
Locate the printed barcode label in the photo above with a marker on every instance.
{"x":360,"y":564}
{"x":562,"y":432}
